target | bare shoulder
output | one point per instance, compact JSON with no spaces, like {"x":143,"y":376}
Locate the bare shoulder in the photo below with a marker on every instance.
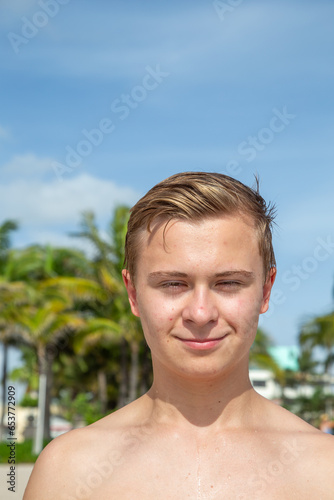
{"x":63,"y":467}
{"x":316,"y":461}
{"x":308,"y":451}
{"x":51,"y":470}
{"x":289,"y":424}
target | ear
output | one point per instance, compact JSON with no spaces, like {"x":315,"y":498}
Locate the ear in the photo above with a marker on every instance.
{"x":267,"y":290}
{"x":132,"y":293}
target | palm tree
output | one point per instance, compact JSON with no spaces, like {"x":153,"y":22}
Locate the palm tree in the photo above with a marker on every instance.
{"x":93,"y":339}
{"x":27,"y":374}
{"x":260,"y":352}
{"x":37,"y":262}
{"x":108,"y":263}
{"x":45,"y":322}
{"x":13,"y":296}
{"x":318,"y":335}
{"x":52,"y":312}
{"x":260,"y":356}
{"x":6,"y":228}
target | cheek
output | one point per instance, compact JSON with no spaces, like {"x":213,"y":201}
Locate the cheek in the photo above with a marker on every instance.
{"x":154,"y":319}
{"x":243,"y":314}
{"x":156,"y":310}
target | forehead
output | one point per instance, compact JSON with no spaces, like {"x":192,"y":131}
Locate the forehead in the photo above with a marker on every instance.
{"x":220,"y":241}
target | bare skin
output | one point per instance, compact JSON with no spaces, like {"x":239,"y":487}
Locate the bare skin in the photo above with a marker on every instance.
{"x":201,"y":432}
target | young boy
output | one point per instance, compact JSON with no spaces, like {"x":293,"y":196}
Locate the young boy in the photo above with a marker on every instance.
{"x":199,"y":271}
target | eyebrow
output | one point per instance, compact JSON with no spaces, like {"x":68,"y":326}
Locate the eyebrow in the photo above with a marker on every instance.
{"x":167,"y":274}
{"x":236,"y":272}
{"x":224,"y":274}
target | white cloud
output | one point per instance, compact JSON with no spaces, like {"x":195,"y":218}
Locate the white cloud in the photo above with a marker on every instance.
{"x":26,"y":165}
{"x":48,"y":209}
{"x":44,"y":203}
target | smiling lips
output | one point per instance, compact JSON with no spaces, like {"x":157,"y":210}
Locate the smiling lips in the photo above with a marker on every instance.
{"x":201,"y":345}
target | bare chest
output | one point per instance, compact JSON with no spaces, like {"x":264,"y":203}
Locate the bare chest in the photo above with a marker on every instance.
{"x":222,"y":470}
{"x":183,"y":483}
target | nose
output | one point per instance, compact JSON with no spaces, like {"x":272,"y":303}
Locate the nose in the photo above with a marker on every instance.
{"x":200,"y":308}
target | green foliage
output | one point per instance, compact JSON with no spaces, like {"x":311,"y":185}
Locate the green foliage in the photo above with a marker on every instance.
{"x":318,"y":333}
{"x":6,"y":228}
{"x":81,"y":408}
{"x":260,"y":356}
{"x":28,"y":401}
{"x":23,"y":452}
{"x":27,"y":373}
{"x":311,"y":407}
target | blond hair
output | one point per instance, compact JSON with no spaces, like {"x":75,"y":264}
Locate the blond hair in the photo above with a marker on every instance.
{"x":193,"y":196}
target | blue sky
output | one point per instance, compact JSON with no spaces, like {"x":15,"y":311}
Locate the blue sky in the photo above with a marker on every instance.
{"x":238,"y":87}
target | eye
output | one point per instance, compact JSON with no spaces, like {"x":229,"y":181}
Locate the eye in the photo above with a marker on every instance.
{"x":172,"y":284}
{"x":229,"y":285}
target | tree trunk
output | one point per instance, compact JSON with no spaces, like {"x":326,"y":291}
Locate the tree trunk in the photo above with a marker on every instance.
{"x":134,"y":371}
{"x":42,"y":392}
{"x":48,"y":395}
{"x":146,"y":370}
{"x":123,"y":384}
{"x":103,"y":394}
{"x":38,"y":444}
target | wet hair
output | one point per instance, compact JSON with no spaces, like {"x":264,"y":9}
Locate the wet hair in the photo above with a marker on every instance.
{"x":194,"y":196}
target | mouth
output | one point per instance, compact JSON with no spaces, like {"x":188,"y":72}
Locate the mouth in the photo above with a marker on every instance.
{"x":202,"y":344}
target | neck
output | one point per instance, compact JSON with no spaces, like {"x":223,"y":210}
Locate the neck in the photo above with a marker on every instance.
{"x":225,"y":401}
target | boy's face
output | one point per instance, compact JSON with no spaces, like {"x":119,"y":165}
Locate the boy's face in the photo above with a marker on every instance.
{"x":199,"y":293}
